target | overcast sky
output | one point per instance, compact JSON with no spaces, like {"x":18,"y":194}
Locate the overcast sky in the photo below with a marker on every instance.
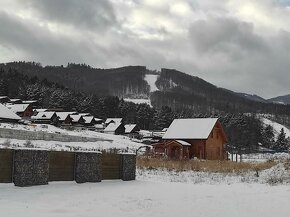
{"x":240,"y":45}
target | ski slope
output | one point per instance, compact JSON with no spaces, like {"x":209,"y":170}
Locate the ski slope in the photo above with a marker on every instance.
{"x":151,"y":80}
{"x":276,"y":127}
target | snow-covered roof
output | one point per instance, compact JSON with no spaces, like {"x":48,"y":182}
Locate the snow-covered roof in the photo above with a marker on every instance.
{"x":183,"y":142}
{"x":98,"y":119}
{"x":5,"y":113}
{"x":76,"y":118}
{"x":4,"y":97}
{"x":17,"y":107}
{"x":85,"y":114}
{"x":129,"y":127}
{"x":40,"y":110}
{"x":29,"y":101}
{"x":196,"y":128}
{"x":88,"y":119}
{"x":112,"y":127}
{"x":63,"y":115}
{"x":43,"y":115}
{"x":15,"y":100}
{"x":116,"y":120}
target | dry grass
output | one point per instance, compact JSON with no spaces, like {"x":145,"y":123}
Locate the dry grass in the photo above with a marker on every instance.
{"x":202,"y":165}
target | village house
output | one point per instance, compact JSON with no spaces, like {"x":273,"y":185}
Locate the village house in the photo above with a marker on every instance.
{"x":15,"y":101}
{"x":115,"y":128}
{"x":45,"y":118}
{"x":6,"y":115}
{"x":65,"y":118}
{"x":89,"y":121}
{"x":132,"y":130}
{"x":22,"y":110}
{"x":77,"y":120}
{"x":202,"y":138}
{"x":113,"y":120}
{"x":4,"y":99}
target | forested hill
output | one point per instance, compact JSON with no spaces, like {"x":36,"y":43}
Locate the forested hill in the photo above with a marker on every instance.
{"x":244,"y":131}
{"x":177,"y":90}
{"x":182,"y":91}
{"x":122,"y":82}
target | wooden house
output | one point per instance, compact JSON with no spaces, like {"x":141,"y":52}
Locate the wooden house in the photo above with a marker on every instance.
{"x":22,"y":110}
{"x":89,"y":121}
{"x":77,"y":120}
{"x":15,"y":101}
{"x":65,"y":118}
{"x":206,"y":137}
{"x":45,"y":118}
{"x":132,"y":130}
{"x":113,"y":120}
{"x":116,"y":129}
{"x":4,"y":99}
{"x":6,"y":115}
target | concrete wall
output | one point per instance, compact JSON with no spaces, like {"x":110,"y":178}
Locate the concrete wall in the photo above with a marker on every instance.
{"x":39,"y":135}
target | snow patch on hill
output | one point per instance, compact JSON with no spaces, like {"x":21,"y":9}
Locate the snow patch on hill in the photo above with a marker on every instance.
{"x":276,"y":127}
{"x":151,"y":80}
{"x":139,"y":101}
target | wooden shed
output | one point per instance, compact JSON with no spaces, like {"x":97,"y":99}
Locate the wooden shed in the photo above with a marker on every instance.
{"x":206,"y":137}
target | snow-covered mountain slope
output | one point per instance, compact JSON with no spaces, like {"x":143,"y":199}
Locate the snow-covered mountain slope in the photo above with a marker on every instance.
{"x":151,"y":80}
{"x":276,"y":126}
{"x":139,"y":101}
{"x":281,"y":99}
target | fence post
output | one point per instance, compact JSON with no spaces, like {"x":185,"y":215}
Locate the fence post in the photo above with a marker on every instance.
{"x":128,"y":167}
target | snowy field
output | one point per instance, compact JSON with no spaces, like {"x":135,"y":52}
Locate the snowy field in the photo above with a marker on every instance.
{"x":144,"y":198}
{"x":114,"y":141}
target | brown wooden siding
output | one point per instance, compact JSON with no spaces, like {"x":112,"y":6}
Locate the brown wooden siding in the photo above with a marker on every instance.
{"x":61,"y":166}
{"x":111,"y":166}
{"x":6,"y":165}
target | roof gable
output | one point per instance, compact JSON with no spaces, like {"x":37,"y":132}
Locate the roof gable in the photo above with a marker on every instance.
{"x":5,"y":113}
{"x":196,"y":128}
{"x":112,"y":127}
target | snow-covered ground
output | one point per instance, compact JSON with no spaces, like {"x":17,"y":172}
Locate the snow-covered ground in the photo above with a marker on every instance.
{"x":151,"y":80}
{"x":145,"y":198}
{"x":114,"y":141}
{"x":276,"y":126}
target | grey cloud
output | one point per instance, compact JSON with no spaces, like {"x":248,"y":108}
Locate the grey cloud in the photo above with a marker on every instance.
{"x":224,"y":34}
{"x":91,"y":14}
{"x":41,"y":45}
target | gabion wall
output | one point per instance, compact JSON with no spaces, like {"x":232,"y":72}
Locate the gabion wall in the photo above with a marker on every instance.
{"x":88,"y":167}
{"x":31,"y":167}
{"x":128,"y":167}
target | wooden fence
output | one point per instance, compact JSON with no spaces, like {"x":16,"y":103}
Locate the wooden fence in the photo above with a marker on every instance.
{"x":6,"y":166}
{"x":34,"y":167}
